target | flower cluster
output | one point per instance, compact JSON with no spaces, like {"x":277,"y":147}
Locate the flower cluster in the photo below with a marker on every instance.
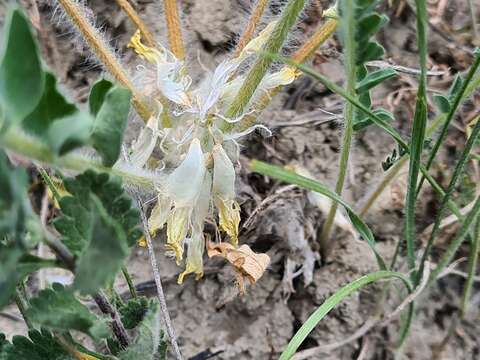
{"x":197,"y":153}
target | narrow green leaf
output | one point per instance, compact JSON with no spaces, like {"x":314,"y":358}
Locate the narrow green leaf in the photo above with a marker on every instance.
{"x":333,"y":301}
{"x":293,"y":178}
{"x":21,"y":74}
{"x":149,"y":341}
{"x":59,"y":309}
{"x":110,"y":124}
{"x":373,"y":79}
{"x":97,"y":95}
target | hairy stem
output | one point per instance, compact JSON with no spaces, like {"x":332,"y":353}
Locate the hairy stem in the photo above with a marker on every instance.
{"x":174,"y":29}
{"x":261,"y":66}
{"x":23,"y":144}
{"x":251,"y":26}
{"x":100,"y":48}
{"x":158,"y":283}
{"x":349,"y":27}
{"x":301,"y":55}
{"x":135,"y":18}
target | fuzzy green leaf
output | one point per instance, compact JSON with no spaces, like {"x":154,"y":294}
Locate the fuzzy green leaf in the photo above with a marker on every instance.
{"x":15,"y":265}
{"x":149,"y":343}
{"x":21,"y":74}
{"x":75,"y":224}
{"x":97,"y":95}
{"x":133,"y":312}
{"x":110,"y":123}
{"x":39,"y":346}
{"x":103,"y":257}
{"x":57,"y":308}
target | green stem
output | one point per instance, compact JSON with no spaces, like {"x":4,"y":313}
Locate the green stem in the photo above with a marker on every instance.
{"x":472,"y":268}
{"x":349,"y":26}
{"x":448,"y":194}
{"x":22,"y":307}
{"x":22,"y":144}
{"x":261,"y":66}
{"x":418,"y":135}
{"x":129,"y":281}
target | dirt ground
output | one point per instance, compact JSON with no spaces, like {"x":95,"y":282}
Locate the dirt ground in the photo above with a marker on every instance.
{"x":209,"y":314}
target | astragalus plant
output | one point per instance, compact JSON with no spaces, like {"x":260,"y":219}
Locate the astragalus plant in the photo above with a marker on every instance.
{"x":187,"y":150}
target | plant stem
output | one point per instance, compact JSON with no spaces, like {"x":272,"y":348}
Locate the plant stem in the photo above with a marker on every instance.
{"x":174,"y":28}
{"x":129,"y":281}
{"x":22,"y":144}
{"x":158,"y":283}
{"x":472,"y":268}
{"x":135,"y":18}
{"x":100,"y":48}
{"x":348,"y":22}
{"x":462,"y":161}
{"x":418,"y":135}
{"x":262,"y":64}
{"x":22,"y":307}
{"x":251,"y":26}
{"x":456,"y":242}
{"x":319,"y":37}
{"x":301,"y":55}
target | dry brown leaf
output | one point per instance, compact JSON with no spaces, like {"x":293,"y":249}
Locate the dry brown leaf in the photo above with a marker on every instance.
{"x":246,"y":262}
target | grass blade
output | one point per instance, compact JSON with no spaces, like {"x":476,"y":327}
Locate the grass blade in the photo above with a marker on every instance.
{"x":333,"y":301}
{"x":456,"y":242}
{"x":472,"y":268}
{"x":290,"y":177}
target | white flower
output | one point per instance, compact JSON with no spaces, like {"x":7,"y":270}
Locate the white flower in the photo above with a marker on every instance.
{"x":183,"y":188}
{"x":224,"y":193}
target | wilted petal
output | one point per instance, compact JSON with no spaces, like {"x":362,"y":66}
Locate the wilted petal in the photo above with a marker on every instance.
{"x":178,"y":223}
{"x":158,"y":216}
{"x":185,"y":182}
{"x":257,"y":43}
{"x":195,"y":249}
{"x":224,"y":193}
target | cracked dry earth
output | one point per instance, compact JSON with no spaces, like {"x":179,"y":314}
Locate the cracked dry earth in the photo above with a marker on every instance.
{"x":209,"y":314}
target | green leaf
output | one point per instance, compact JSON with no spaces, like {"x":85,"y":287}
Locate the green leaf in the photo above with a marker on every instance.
{"x":57,"y":308}
{"x":110,"y":124}
{"x":52,"y":106}
{"x":58,"y":122}
{"x":21,"y":74}
{"x":97,"y":95}
{"x":333,"y":301}
{"x":306,"y":183}
{"x":133,"y":312}
{"x":39,"y":346}
{"x":442,"y":102}
{"x":103,"y":257}
{"x":373,"y":79}
{"x":149,"y":342}
{"x":70,"y":132}
{"x":364,"y":121}
{"x":75,"y":224}
{"x":15,"y":265}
